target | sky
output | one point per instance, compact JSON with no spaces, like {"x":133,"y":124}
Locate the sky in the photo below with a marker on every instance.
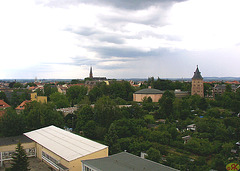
{"x":62,"y":39}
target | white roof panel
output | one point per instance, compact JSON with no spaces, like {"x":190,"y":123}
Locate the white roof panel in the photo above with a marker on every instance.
{"x":63,"y":143}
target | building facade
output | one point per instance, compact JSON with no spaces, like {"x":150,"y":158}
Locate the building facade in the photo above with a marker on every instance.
{"x":197,"y":84}
{"x":63,"y":150}
{"x":140,"y":95}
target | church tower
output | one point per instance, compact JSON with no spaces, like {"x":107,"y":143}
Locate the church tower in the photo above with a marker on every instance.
{"x":91,"y":74}
{"x":197,"y":83}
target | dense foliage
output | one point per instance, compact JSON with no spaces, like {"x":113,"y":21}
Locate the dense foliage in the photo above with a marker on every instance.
{"x":154,"y":128}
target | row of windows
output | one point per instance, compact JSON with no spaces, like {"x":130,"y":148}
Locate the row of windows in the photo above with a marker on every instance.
{"x":49,"y":157}
{"x":9,"y":154}
{"x":87,"y":169}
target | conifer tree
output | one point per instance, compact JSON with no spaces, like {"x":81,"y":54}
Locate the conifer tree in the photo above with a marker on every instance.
{"x":20,"y":160}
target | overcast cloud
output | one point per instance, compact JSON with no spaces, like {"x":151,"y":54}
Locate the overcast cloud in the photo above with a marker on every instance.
{"x":119,"y":38}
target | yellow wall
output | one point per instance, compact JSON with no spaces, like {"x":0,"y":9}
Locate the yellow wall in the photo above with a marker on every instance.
{"x":42,"y":99}
{"x":140,"y":97}
{"x":197,"y":87}
{"x":35,"y":97}
{"x":13,"y":147}
{"x":75,"y":165}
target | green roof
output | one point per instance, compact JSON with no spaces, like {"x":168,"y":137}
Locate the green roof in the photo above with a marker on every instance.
{"x":125,"y":162}
{"x":149,"y":91}
{"x":197,"y":75}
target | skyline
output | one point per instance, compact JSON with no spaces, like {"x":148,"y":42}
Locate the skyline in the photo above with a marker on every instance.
{"x":60,"y":39}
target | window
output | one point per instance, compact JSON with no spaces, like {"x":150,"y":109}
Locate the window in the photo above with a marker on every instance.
{"x":86,"y":168}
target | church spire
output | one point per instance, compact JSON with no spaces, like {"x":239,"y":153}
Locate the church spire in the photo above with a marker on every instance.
{"x":197,"y":74}
{"x":90,"y":74}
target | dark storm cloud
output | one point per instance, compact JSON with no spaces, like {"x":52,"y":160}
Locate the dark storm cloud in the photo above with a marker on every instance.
{"x":123,"y":4}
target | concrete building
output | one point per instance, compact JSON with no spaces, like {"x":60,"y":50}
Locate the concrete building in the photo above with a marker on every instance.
{"x":155,"y":94}
{"x":220,"y":89}
{"x":63,"y":150}
{"x":123,"y":162}
{"x":197,"y":84}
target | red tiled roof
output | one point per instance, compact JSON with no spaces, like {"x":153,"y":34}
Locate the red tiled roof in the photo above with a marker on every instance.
{"x":79,"y":84}
{"x":3,"y":104}
{"x":22,"y":105}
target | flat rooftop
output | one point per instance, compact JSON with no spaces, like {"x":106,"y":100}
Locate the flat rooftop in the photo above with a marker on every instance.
{"x":65,"y":144}
{"x":127,"y":162}
{"x":14,"y":140}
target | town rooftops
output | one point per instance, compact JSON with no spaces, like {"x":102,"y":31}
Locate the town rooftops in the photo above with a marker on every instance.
{"x":197,"y":75}
{"x":125,"y":161}
{"x":65,"y":144}
{"x":149,"y":91}
{"x":14,"y":140}
{"x":3,"y":104}
{"x":22,"y":105}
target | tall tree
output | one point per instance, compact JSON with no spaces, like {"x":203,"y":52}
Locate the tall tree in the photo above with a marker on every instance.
{"x":76,"y":93}
{"x":39,"y":115}
{"x":3,"y":96}
{"x":12,"y":124}
{"x":59,"y":100}
{"x":20,"y":160}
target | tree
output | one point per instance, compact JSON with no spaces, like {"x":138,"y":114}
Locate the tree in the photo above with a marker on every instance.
{"x":203,"y":105}
{"x":38,"y":115}
{"x":111,"y":139}
{"x":49,"y":89}
{"x":3,"y":96}
{"x":153,"y":154}
{"x":12,"y":124}
{"x":95,"y":93}
{"x":105,"y":111}
{"x":84,"y":115}
{"x":76,"y":93}
{"x":17,"y":85}
{"x":20,"y":160}
{"x":59,"y":100}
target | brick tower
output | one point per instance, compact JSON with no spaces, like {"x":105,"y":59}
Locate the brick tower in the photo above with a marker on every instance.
{"x":197,"y":84}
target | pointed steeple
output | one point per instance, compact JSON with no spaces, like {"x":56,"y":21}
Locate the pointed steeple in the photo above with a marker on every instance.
{"x":197,"y":74}
{"x":91,"y":74}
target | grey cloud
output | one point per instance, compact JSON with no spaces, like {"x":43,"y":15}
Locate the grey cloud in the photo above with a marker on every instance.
{"x":123,"y":4}
{"x":107,"y":52}
{"x":97,"y":35}
{"x":111,"y":39}
{"x":84,"y":31}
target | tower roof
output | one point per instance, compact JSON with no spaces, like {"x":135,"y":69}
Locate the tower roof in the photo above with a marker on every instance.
{"x":90,"y":74}
{"x":197,"y":74}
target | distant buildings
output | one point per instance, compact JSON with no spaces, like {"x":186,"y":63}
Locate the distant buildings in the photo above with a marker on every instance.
{"x":155,"y":94}
{"x":197,"y":84}
{"x":220,"y":89}
{"x":96,"y":78}
{"x":34,"y":97}
{"x":140,"y":95}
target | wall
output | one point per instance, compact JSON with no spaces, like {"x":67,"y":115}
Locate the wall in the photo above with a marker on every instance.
{"x":75,"y":165}
{"x":197,"y":88}
{"x":140,"y":97}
